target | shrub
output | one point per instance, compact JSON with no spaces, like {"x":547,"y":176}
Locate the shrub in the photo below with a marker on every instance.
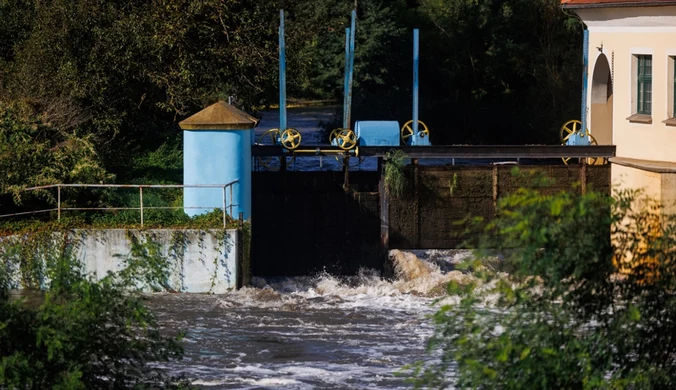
{"x":588,"y":303}
{"x":81,"y":334}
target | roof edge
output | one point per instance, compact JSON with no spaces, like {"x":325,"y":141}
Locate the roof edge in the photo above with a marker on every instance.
{"x":216,"y":127}
{"x":619,"y":4}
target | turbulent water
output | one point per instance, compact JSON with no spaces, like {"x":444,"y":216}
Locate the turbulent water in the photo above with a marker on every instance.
{"x":312,"y":332}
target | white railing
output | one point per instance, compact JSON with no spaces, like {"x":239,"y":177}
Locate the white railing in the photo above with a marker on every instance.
{"x":227,"y":190}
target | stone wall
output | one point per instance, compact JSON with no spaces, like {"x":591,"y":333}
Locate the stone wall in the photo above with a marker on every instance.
{"x":430,"y":214}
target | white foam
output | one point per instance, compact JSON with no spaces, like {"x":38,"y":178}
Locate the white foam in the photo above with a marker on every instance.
{"x":316,"y":332}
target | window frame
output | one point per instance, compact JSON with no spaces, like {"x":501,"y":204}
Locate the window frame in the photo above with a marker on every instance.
{"x":644,"y":70}
{"x":673,"y":87}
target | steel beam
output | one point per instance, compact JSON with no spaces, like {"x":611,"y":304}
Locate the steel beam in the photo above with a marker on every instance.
{"x":416,"y":54}
{"x":494,"y":151}
{"x":450,"y":151}
{"x":282,"y":75}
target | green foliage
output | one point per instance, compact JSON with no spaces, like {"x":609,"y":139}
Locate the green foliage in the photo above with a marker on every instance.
{"x":577,"y":309}
{"x":34,"y":153}
{"x":121,"y":220}
{"x":494,"y":65}
{"x":124,"y":73}
{"x":81,"y":334}
{"x":395,"y":177}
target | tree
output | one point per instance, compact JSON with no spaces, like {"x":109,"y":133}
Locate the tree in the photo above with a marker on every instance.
{"x":34,"y":153}
{"x":501,"y":70}
{"x":576,"y":309}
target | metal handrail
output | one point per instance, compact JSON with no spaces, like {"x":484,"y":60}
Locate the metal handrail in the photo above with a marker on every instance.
{"x":228,"y":186}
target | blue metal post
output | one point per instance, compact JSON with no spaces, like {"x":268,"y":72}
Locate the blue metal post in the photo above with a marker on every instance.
{"x":585,"y":72}
{"x":353,"y":28}
{"x":416,"y":38}
{"x":347,"y":71}
{"x":282,"y":74}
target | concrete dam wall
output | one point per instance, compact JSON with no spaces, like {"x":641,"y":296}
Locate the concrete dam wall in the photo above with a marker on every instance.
{"x":196,"y":261}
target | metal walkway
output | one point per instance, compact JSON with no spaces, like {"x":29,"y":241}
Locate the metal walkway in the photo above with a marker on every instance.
{"x":446,"y":151}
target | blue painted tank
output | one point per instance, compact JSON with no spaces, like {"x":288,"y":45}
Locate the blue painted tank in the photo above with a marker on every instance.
{"x":217,"y":151}
{"x":377,"y":133}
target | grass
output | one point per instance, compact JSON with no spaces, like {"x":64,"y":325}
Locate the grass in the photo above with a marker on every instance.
{"x":395,"y":178}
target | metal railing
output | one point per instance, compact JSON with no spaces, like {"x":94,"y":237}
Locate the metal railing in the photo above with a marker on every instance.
{"x":227,"y":190}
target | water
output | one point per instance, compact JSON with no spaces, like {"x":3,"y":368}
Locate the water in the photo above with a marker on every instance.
{"x":312,"y":332}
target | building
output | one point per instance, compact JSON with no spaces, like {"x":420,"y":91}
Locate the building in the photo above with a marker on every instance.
{"x":630,"y":90}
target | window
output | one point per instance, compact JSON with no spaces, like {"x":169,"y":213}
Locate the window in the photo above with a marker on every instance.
{"x":644,"y":84}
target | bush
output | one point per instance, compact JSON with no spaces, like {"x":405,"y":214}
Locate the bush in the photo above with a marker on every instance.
{"x":82,"y":334}
{"x":588,"y":303}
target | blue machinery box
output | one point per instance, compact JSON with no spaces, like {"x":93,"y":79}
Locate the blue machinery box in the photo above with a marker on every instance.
{"x":377,"y":133}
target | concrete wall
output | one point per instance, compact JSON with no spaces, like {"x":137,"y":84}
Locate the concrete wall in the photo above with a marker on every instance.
{"x":198,"y":261}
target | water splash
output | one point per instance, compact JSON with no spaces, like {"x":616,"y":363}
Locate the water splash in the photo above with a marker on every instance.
{"x":419,"y":279}
{"x":318,"y":331}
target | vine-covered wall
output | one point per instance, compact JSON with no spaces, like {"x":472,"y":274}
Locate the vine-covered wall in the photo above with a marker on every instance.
{"x":185,"y":260}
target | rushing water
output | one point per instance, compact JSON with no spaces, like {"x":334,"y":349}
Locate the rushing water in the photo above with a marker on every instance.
{"x":311,"y":332}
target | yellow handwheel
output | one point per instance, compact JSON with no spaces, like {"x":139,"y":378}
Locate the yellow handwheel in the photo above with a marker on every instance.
{"x":590,"y":160}
{"x":407,"y":130}
{"x":291,"y":138}
{"x":268,"y":138}
{"x":334,"y":135}
{"x":346,"y":139}
{"x":569,"y":128}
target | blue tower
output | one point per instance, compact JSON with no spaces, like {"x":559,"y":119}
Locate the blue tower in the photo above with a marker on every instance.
{"x":217,"y":151}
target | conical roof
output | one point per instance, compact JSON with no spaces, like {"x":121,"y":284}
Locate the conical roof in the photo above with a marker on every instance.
{"x":219,"y":116}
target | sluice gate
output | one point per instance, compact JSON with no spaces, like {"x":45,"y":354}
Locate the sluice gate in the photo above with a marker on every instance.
{"x":304,"y":223}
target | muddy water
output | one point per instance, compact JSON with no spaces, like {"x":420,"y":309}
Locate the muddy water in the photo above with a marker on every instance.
{"x":311,"y":332}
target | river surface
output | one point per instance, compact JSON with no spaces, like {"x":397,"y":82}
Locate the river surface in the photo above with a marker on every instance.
{"x":314,"y":332}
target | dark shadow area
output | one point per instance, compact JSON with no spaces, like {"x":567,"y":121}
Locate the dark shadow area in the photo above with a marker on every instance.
{"x":304,"y":223}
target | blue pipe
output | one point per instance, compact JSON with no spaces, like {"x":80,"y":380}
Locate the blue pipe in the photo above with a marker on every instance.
{"x":346,"y":83}
{"x":353,"y":28}
{"x":585,"y":72}
{"x":416,"y":58}
{"x":282,"y":74}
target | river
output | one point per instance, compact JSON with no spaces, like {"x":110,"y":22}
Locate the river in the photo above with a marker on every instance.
{"x":314,"y":332}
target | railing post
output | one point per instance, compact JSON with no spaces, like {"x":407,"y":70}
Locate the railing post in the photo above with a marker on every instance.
{"x":231,"y":199}
{"x":140,"y":196}
{"x":58,"y":202}
{"x":224,"y":209}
